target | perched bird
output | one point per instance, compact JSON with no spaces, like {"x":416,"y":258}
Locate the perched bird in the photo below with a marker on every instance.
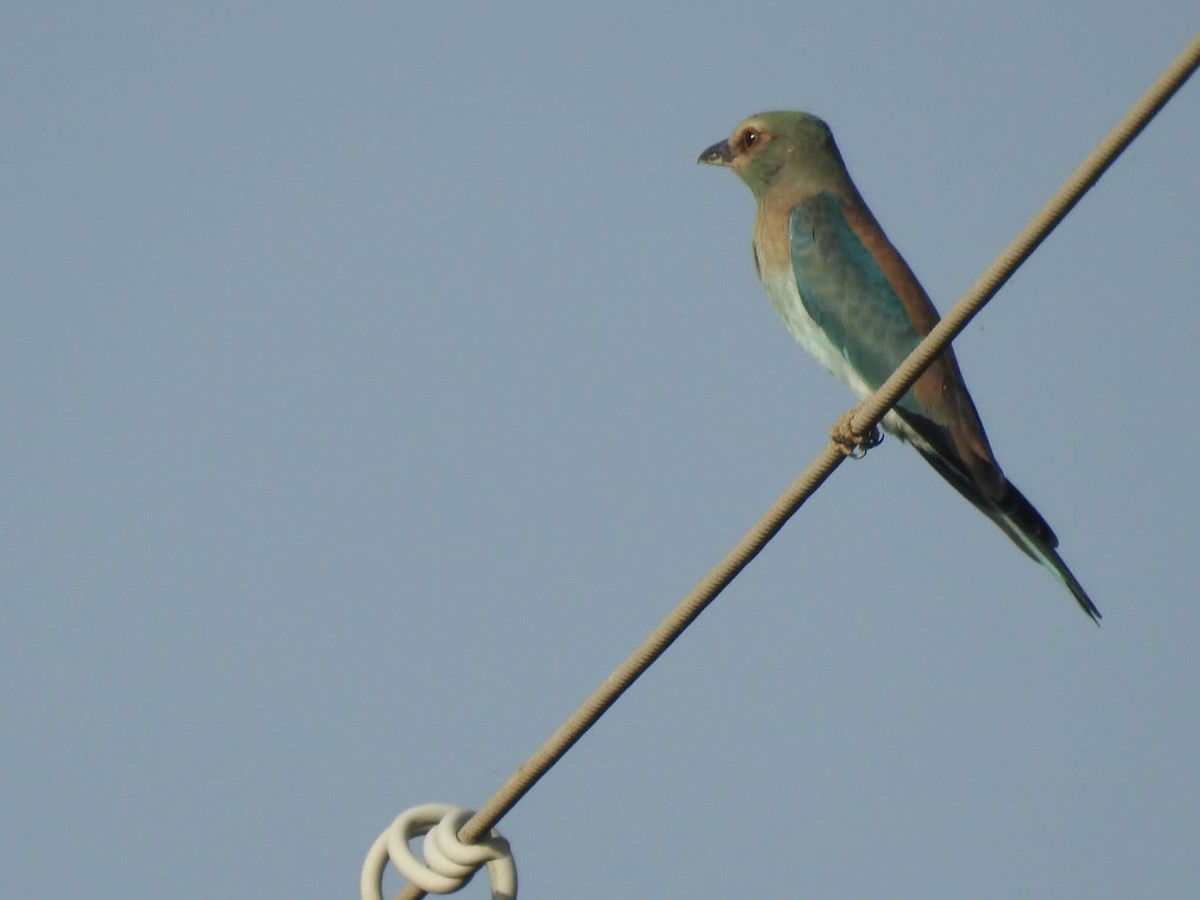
{"x":847,"y":295}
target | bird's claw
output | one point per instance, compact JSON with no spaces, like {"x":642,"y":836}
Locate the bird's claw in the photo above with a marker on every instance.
{"x":854,"y":444}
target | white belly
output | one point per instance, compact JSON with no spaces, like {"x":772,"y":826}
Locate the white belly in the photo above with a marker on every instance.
{"x":786,"y":300}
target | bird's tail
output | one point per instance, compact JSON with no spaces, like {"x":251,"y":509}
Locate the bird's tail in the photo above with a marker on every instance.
{"x":1018,"y":519}
{"x":1026,"y":528}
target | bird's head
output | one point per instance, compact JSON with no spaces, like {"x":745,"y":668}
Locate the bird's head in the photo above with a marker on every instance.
{"x":771,"y":146}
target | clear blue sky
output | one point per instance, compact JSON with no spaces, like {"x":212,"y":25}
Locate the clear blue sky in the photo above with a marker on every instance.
{"x":376,"y":375}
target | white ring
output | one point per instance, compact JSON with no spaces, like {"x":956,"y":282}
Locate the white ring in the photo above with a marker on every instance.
{"x":449,"y":865}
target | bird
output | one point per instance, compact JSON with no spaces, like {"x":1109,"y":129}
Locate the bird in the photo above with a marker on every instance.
{"x":848,"y":297}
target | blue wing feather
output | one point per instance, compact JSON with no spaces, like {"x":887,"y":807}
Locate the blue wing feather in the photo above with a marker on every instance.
{"x":846,"y":292}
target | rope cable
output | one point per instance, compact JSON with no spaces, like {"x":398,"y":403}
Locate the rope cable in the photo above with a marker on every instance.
{"x":861,"y":419}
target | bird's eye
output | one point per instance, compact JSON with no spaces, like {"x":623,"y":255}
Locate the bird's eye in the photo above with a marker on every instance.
{"x":749,"y":138}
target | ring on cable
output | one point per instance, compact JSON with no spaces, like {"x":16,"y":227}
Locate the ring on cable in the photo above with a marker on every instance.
{"x":449,"y":863}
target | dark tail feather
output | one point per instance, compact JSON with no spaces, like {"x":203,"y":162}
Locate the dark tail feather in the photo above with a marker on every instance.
{"x":1028,"y":530}
{"x":1023,"y":524}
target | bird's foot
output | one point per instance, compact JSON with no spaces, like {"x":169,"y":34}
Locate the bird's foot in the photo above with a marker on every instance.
{"x":854,"y":444}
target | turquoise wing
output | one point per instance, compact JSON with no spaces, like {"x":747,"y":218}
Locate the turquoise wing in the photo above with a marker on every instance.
{"x":845,"y":291}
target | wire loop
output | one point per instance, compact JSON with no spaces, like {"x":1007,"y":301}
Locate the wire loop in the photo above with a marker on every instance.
{"x":449,"y":863}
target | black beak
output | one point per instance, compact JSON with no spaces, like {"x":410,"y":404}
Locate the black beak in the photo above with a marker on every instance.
{"x":717,"y":155}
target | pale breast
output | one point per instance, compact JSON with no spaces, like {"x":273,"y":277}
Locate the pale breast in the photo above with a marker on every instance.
{"x":785,"y":298}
